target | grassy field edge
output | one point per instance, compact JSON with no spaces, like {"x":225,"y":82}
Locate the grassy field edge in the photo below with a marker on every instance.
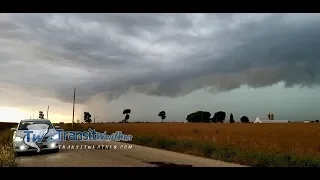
{"x":253,"y":159}
{"x":7,"y":155}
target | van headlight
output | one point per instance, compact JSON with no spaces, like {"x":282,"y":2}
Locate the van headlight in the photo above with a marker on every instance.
{"x":55,"y":137}
{"x":18,"y":139}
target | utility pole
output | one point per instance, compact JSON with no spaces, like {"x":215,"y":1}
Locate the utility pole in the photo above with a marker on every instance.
{"x":94,"y":119}
{"x":48,"y":112}
{"x":74,"y":100}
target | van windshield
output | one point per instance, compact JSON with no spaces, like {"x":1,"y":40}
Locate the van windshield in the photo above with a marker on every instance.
{"x":29,"y":125}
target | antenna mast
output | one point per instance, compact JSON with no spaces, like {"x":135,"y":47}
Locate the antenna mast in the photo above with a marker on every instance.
{"x":74,"y":100}
{"x":48,"y":112}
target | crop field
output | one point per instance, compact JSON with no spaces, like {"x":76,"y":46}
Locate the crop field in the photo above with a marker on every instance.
{"x":299,"y":138}
{"x":294,"y":144}
{"x":267,"y":145}
{"x":7,"y":156}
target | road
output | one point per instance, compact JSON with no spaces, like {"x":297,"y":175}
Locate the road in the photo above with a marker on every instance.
{"x":137,"y":156}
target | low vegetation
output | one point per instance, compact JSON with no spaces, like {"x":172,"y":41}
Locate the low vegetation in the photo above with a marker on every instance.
{"x":267,"y":145}
{"x":7,"y":155}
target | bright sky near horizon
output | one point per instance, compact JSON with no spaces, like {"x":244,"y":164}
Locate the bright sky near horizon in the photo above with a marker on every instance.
{"x":245,"y":64}
{"x":11,"y":114}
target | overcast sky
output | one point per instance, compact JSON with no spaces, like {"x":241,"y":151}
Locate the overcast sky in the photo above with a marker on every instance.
{"x":245,"y":64}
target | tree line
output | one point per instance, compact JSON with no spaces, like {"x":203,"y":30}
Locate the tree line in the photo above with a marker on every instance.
{"x":218,"y":117}
{"x":196,"y":117}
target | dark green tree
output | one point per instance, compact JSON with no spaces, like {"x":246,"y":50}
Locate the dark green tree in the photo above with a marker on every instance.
{"x":214,"y":119}
{"x":199,"y":116}
{"x":244,"y":119}
{"x":219,"y":116}
{"x":126,"y":112}
{"x":87,"y":117}
{"x":231,"y":118}
{"x":41,"y":115}
{"x":163,"y":116}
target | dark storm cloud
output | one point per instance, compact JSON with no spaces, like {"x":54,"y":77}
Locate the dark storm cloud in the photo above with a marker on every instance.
{"x":156,"y":54}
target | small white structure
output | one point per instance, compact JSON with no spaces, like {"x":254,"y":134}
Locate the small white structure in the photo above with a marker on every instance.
{"x":306,"y":121}
{"x":259,"y":120}
{"x":266,"y":120}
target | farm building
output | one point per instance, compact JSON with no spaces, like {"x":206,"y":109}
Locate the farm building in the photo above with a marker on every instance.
{"x":266,"y":120}
{"x":306,"y":121}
